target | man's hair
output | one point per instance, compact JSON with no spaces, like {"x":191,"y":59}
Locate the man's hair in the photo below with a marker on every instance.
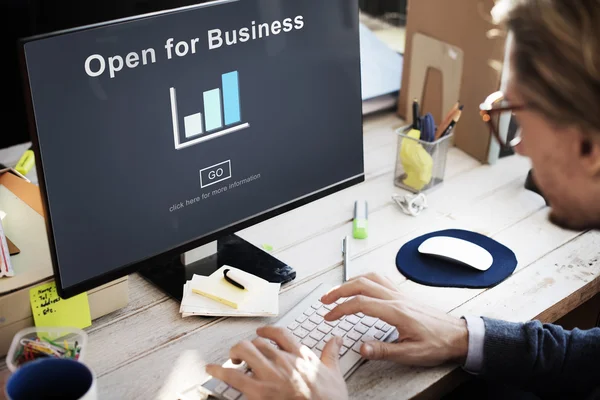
{"x":556,"y":57}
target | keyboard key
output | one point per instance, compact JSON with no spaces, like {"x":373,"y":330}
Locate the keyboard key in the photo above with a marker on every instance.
{"x":379,"y":335}
{"x":324,"y":328}
{"x":338,"y":332}
{"x":221,"y":387}
{"x":333,"y":323}
{"x":327,"y":338}
{"x":231,"y":394}
{"x":354,"y":335}
{"x":348,"y":342}
{"x":315,"y":319}
{"x":321,"y":345}
{"x":318,"y":335}
{"x":309,"y":312}
{"x":367,"y":338}
{"x":360,"y":328}
{"x":357,"y":346}
{"x":322,"y":311}
{"x":345,"y":326}
{"x":317,"y":305}
{"x":309,"y":342}
{"x":301,"y":332}
{"x":340,"y":301}
{"x":309,"y":326}
{"x":353,"y":319}
{"x":343,"y":350}
{"x":360,"y":315}
{"x":330,"y":306}
{"x":292,"y":326}
{"x":386,"y":327}
{"x":317,"y":352}
{"x":368,"y":321}
{"x":379,"y":324}
{"x":301,"y":318}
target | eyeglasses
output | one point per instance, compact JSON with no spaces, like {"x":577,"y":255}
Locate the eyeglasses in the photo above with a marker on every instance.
{"x":492,"y":110}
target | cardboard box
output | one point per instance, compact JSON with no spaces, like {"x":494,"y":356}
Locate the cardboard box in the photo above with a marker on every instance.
{"x":25,"y":226}
{"x":464,"y":24}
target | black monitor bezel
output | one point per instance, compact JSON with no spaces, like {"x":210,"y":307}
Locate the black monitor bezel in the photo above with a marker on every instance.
{"x":73,"y":290}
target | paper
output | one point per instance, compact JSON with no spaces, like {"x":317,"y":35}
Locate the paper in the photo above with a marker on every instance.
{"x":50,"y":310}
{"x":6,"y":268}
{"x":261,"y":300}
{"x":381,"y":67}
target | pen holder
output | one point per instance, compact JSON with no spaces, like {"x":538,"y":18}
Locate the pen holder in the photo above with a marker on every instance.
{"x":420,"y":165}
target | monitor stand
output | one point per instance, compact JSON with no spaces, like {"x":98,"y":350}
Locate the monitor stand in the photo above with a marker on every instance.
{"x":229,"y":250}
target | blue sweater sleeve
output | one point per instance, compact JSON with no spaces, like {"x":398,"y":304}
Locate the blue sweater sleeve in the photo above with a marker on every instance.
{"x":542,"y":358}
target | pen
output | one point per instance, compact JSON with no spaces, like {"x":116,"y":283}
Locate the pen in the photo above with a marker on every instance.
{"x":346,"y":255}
{"x":234,"y":283}
{"x":416,"y":114}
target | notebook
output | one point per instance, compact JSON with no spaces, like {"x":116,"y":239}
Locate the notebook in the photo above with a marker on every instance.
{"x":214,"y":296}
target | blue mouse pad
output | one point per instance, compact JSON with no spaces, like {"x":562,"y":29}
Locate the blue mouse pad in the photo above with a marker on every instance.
{"x":432,"y":271}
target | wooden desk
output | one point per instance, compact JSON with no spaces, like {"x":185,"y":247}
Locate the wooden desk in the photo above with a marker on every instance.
{"x":148,"y":351}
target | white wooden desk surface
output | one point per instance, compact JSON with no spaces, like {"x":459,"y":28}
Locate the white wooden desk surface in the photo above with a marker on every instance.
{"x":148,"y":351}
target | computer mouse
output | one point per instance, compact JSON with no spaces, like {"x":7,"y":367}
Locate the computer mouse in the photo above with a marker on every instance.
{"x":457,"y":250}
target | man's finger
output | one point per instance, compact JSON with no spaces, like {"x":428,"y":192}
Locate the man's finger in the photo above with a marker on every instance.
{"x":246,"y":351}
{"x":331,"y":353}
{"x":360,"y":286}
{"x":376,"y":350}
{"x":284,"y":339}
{"x":378,"y":278}
{"x":232,"y":377}
{"x":272,"y":353}
{"x":377,"y":308}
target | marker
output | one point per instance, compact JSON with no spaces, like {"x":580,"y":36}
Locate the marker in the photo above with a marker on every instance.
{"x":360,"y":223}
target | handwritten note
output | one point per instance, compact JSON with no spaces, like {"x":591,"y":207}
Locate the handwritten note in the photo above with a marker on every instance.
{"x":50,"y":310}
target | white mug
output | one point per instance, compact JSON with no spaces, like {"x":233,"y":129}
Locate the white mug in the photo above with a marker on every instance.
{"x":54,"y":378}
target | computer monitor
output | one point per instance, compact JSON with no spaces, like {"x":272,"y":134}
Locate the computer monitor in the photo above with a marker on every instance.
{"x":162,"y":133}
{"x":25,"y":18}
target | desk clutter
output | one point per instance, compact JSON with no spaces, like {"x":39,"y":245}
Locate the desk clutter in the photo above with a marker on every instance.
{"x":31,"y":344}
{"x":230,"y":292}
{"x":422,"y":149}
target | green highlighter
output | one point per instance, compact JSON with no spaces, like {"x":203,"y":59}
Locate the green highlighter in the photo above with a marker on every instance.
{"x":361,"y":222}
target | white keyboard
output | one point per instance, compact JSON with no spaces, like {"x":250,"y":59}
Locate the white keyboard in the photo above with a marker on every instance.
{"x":306,"y":322}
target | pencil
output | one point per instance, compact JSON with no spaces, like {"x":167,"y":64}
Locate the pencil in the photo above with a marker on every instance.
{"x":453,"y":123}
{"x":447,"y":120}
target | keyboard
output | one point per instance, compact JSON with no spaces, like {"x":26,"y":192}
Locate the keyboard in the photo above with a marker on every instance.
{"x":305,"y":321}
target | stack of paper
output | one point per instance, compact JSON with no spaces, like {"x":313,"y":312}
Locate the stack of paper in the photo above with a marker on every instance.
{"x":214,"y":296}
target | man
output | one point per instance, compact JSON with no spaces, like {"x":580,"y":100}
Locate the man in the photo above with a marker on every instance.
{"x":554,"y":93}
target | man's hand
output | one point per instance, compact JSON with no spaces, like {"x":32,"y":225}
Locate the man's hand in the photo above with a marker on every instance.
{"x":427,"y":337}
{"x":290,"y":372}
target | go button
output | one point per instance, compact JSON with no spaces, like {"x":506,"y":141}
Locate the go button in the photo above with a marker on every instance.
{"x":215,"y":173}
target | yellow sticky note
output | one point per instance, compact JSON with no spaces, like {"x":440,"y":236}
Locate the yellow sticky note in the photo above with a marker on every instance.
{"x":50,"y":310}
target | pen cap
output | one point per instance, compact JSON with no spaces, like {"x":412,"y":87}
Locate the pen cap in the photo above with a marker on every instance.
{"x":243,"y":278}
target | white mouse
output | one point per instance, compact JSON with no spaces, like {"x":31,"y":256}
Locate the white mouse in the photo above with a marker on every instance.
{"x":457,"y":250}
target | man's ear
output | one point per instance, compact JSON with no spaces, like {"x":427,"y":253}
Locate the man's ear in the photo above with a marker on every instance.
{"x":590,"y":153}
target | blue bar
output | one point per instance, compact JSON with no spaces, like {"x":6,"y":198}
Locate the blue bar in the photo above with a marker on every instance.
{"x":231,"y":97}
{"x":212,"y":110}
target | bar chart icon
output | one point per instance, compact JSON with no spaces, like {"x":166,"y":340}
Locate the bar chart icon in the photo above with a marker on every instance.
{"x":219,"y":116}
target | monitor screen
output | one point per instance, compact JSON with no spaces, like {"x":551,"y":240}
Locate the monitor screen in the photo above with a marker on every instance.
{"x":154,"y":133}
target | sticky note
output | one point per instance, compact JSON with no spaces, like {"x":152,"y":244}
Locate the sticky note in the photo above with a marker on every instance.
{"x":50,"y":310}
